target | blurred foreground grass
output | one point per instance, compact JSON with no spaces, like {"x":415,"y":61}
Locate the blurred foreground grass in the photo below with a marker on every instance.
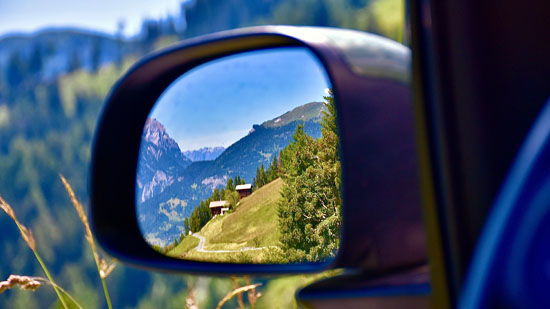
{"x":278,"y":293}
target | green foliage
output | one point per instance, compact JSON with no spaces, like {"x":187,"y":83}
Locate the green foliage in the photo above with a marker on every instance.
{"x":216,"y":195}
{"x":309,"y":210}
{"x":229,"y":186}
{"x":232,"y":197}
{"x":264,"y":177}
{"x":389,"y":18}
{"x":39,"y":141}
{"x":258,"y":181}
{"x":199,"y":217}
{"x":273,"y":171}
{"x":384,"y":17}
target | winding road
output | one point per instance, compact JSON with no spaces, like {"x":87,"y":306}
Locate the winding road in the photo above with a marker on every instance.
{"x":200,"y":246}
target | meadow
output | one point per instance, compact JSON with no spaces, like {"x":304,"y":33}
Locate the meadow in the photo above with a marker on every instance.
{"x":251,"y":232}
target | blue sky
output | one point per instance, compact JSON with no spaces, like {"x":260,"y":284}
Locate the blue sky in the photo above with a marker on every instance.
{"x":217,"y":103}
{"x":98,"y":15}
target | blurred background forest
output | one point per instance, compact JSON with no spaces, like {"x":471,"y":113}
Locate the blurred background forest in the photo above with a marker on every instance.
{"x":52,"y":88}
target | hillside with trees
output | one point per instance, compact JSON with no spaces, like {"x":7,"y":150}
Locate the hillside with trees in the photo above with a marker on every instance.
{"x":292,"y":216}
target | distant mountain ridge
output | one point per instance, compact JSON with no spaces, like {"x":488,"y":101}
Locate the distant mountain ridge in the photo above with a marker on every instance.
{"x":304,"y":112}
{"x":57,"y":51}
{"x":204,"y":154}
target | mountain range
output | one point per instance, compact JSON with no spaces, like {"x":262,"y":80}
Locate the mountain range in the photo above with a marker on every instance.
{"x":204,"y":154}
{"x":53,"y":52}
{"x":169,"y":185}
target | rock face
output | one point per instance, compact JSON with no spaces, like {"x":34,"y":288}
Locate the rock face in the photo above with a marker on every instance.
{"x":204,"y":154}
{"x":161,"y":161}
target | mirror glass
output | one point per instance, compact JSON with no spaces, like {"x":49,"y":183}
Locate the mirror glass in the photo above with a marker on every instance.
{"x":239,"y":162}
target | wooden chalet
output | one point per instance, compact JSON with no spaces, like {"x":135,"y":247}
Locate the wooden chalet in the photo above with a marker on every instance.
{"x":244,"y":190}
{"x":219,"y":207}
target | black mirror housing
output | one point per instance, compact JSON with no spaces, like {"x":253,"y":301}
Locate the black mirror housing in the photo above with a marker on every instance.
{"x":382,"y":226}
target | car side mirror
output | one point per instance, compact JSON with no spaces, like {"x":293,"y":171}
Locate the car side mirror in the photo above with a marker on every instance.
{"x":261,"y":150}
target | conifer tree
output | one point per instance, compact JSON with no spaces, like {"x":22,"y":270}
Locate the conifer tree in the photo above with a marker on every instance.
{"x":262,"y":175}
{"x":186,"y":226}
{"x":309,"y":210}
{"x":229,"y":186}
{"x":280,"y":162}
{"x":216,"y":195}
{"x":258,"y":179}
{"x":273,"y":170}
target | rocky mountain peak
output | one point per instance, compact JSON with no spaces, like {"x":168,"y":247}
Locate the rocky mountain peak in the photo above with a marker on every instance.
{"x":161,"y":160}
{"x":155,"y":133}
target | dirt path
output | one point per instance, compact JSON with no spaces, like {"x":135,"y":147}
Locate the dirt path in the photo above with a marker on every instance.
{"x":200,"y":247}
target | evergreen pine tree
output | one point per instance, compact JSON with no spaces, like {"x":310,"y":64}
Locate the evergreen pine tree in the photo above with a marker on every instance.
{"x":273,"y":169}
{"x":309,"y":210}
{"x":216,"y":195}
{"x":262,"y":176}
{"x":280,"y":162}
{"x":229,"y":186}
{"x":258,"y":179}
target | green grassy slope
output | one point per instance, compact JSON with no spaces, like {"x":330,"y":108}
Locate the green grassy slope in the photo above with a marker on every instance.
{"x":254,"y":224}
{"x":188,"y":243}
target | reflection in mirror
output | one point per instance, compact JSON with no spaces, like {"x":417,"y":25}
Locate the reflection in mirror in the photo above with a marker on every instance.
{"x":239,"y":164}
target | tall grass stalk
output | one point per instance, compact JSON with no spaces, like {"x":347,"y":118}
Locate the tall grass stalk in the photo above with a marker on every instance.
{"x":236,"y":285}
{"x":29,"y":283}
{"x":27,"y":236}
{"x":103,"y":268}
{"x":236,"y":292}
{"x":252,"y":295}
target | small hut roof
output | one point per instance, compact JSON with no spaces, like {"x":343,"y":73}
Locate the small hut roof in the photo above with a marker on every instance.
{"x":243,"y":187}
{"x":215,"y":204}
